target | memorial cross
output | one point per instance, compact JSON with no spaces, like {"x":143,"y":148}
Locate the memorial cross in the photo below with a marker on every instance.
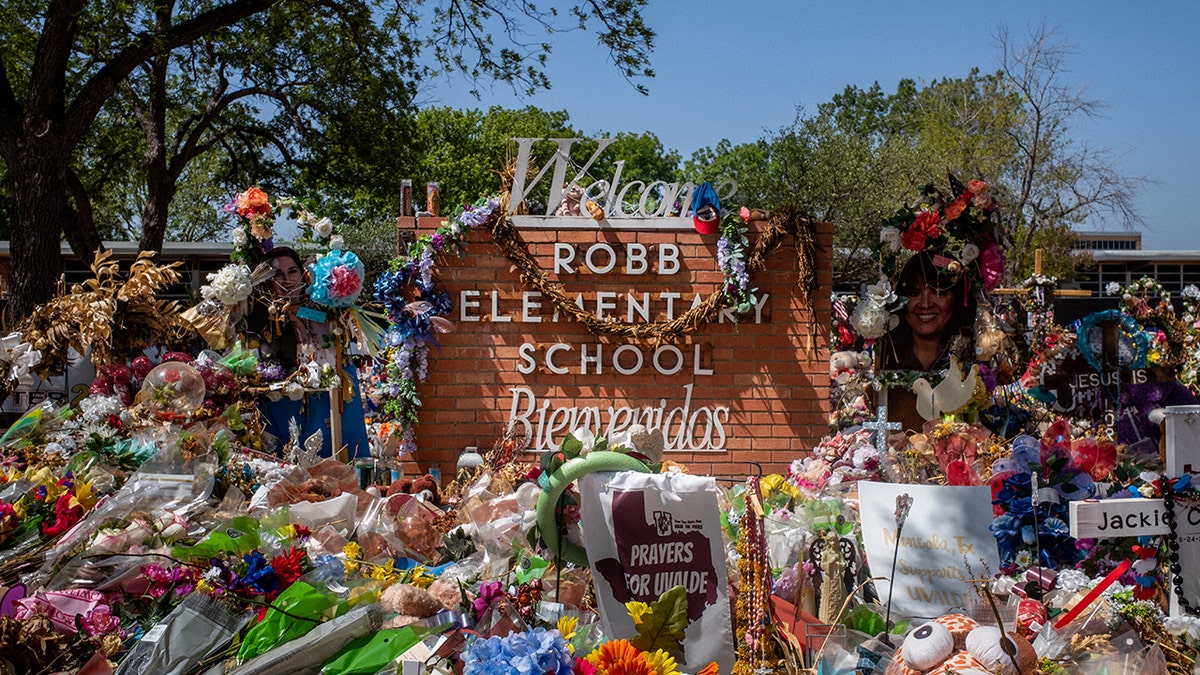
{"x":879,"y":426}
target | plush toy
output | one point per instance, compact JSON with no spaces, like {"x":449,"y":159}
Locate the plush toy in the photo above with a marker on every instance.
{"x":843,"y":364}
{"x":569,"y":206}
{"x":425,"y":484}
{"x":954,"y":643}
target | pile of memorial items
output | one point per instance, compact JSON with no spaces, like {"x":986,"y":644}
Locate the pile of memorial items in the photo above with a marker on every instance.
{"x":1026,"y":524}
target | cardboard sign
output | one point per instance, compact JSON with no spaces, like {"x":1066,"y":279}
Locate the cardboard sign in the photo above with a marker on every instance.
{"x":646,"y":534}
{"x":1109,"y":518}
{"x":947,"y":530}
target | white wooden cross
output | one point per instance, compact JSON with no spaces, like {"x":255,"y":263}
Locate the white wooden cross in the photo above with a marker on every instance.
{"x":880,"y":426}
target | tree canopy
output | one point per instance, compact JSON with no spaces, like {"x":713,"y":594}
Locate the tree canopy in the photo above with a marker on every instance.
{"x":867,"y":152}
{"x":98,"y":96}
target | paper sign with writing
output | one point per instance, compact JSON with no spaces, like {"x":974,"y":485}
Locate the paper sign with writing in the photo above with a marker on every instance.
{"x":647,"y":533}
{"x":946,"y":530}
{"x":1187,"y":529}
{"x":1109,"y":518}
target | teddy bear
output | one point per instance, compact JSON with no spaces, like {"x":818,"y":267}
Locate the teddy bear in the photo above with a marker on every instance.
{"x":843,"y":364}
{"x":569,"y":206}
{"x":425,"y":484}
{"x":955,"y":643}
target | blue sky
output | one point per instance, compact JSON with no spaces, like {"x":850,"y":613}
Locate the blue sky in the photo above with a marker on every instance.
{"x":739,"y":70}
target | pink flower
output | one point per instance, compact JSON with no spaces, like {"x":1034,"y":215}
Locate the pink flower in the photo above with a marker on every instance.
{"x":344,"y":282}
{"x":100,"y":621}
{"x":991,"y":266}
{"x":744,"y":213}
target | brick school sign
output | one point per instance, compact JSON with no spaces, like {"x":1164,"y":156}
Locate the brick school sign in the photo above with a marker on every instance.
{"x":742,"y":388}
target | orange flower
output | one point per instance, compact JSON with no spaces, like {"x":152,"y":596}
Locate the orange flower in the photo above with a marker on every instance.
{"x":253,"y":202}
{"x":618,"y":657}
{"x":637,"y":666}
{"x":710,"y":669}
{"x":955,"y":209}
{"x":977,"y":186}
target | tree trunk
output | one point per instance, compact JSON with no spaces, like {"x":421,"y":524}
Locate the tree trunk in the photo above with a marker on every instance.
{"x":40,"y":207}
{"x":159,"y":193}
{"x":160,"y":184}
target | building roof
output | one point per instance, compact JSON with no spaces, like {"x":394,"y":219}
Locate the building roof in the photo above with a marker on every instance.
{"x":170,"y":249}
{"x":1145,"y":256}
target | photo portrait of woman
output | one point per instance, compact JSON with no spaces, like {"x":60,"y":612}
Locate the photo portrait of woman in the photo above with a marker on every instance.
{"x":936,"y":321}
{"x":293,"y":340}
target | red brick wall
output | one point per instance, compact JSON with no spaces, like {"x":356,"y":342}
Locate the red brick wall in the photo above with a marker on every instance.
{"x":773,"y":376}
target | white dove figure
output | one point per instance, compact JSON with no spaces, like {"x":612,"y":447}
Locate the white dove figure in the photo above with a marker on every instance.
{"x":950,"y":395}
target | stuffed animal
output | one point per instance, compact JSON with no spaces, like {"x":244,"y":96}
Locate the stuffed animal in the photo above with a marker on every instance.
{"x":954,"y":643}
{"x":424,"y":484}
{"x":569,"y":206}
{"x":843,"y":364}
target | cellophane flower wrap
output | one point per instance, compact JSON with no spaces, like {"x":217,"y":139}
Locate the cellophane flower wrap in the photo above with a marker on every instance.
{"x":337,"y":279}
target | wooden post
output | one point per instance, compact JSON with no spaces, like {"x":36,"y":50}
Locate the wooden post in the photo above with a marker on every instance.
{"x":337,"y":405}
{"x":1037,"y":262}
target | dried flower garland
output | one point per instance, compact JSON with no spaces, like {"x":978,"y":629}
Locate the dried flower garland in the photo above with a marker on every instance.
{"x":785,"y":221}
{"x":418,"y":310}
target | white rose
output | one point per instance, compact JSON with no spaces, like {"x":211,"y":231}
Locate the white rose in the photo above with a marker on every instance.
{"x":229,"y":286}
{"x":323,"y":228}
{"x":969,"y":253}
{"x":891,"y":237}
{"x":238,"y":237}
{"x":881,"y":293}
{"x":870,"y":320}
{"x":337,"y":243}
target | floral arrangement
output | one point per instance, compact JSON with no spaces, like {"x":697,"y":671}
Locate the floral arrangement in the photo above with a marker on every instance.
{"x":337,"y":279}
{"x":253,"y":232}
{"x":418,"y":311}
{"x":957,"y":227}
{"x":230,"y":285}
{"x":1143,"y":298}
{"x":844,"y":459}
{"x":113,"y":315}
{"x":535,"y":652}
{"x":731,"y":258}
{"x":1031,"y":527}
{"x":874,"y":315}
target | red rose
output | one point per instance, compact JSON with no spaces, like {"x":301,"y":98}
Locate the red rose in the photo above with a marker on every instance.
{"x":913,"y":239}
{"x":65,"y":517}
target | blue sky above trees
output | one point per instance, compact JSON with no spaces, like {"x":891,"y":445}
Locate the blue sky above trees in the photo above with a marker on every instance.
{"x":738,"y":70}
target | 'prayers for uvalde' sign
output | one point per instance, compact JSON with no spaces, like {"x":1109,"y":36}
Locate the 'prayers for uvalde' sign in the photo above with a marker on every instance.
{"x":945,"y":543}
{"x":646,"y":534}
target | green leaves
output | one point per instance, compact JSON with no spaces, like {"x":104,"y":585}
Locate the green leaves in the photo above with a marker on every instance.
{"x":662,"y":627}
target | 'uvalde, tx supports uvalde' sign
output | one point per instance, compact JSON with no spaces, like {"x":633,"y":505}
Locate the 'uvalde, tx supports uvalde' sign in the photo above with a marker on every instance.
{"x":742,"y":388}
